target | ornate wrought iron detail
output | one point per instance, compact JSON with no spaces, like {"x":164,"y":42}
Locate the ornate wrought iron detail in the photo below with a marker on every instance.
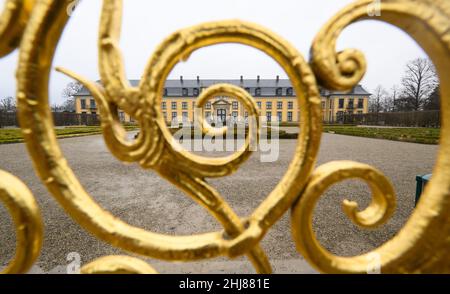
{"x":421,"y":246}
{"x":13,"y":193}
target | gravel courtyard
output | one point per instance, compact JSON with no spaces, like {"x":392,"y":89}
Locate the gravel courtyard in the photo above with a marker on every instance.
{"x":141,"y":198}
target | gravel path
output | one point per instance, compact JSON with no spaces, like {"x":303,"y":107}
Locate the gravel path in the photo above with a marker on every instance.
{"x":141,"y":198}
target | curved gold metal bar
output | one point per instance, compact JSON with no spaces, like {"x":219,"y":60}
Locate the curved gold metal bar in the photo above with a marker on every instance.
{"x":111,"y":65}
{"x":424,"y":20}
{"x":13,"y":20}
{"x":196,"y":187}
{"x":27,"y":220}
{"x":36,"y":122}
{"x":178,"y":47}
{"x":118,"y":265}
{"x":181,"y":44}
{"x":377,"y":213}
{"x":217,"y":166}
{"x":113,"y":131}
{"x":37,"y":126}
{"x":422,"y":244}
{"x":210,"y":199}
{"x":228,"y":90}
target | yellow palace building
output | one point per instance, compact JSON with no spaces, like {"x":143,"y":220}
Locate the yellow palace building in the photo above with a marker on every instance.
{"x":276,"y":100}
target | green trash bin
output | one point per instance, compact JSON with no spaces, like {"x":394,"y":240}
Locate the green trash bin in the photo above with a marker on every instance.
{"x":421,"y":182}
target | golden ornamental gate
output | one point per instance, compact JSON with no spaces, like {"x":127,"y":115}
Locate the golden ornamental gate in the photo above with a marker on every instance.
{"x":35,"y":27}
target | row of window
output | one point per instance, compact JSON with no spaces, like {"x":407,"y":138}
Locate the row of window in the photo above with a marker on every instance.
{"x":235,"y":105}
{"x":256,"y":91}
{"x":279,"y":105}
{"x":351,"y":103}
{"x":235,"y":115}
{"x":92,"y":103}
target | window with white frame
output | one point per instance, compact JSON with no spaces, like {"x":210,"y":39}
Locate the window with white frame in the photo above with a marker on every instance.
{"x":280,"y":105}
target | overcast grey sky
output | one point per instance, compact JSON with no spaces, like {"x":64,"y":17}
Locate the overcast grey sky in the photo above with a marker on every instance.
{"x":147,"y":23}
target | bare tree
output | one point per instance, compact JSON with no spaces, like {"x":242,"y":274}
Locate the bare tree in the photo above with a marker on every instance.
{"x":433,"y":102}
{"x":8,"y":104}
{"x":57,"y":107}
{"x":418,"y":82}
{"x":392,"y":100}
{"x":69,"y":105}
{"x":68,"y":95}
{"x":377,"y":100}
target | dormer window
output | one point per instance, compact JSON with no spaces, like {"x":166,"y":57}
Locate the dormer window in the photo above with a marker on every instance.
{"x":196,"y":91}
{"x":279,"y":91}
{"x":185,"y":92}
{"x":290,"y":92}
{"x":165,"y":92}
{"x":258,"y":91}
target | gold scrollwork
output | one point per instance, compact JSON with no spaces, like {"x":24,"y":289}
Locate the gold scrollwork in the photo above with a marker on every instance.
{"x":27,"y":221}
{"x":118,"y":265}
{"x":13,"y":193}
{"x":153,"y":149}
{"x":421,"y":246}
{"x":377,"y":213}
{"x":423,"y":243}
{"x":13,"y":20}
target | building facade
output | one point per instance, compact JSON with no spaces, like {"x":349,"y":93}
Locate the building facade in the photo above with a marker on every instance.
{"x":275,"y":98}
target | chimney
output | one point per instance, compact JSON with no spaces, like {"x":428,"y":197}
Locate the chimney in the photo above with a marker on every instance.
{"x":198,"y":79}
{"x":258,"y":79}
{"x":278,"y":79}
{"x":242,"y":79}
{"x":181,"y":78}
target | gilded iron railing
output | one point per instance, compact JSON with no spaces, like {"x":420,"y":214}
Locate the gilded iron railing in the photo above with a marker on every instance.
{"x":423,"y":243}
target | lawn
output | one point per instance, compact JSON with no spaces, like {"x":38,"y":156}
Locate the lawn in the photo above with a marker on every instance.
{"x":8,"y":136}
{"x":414,"y":135}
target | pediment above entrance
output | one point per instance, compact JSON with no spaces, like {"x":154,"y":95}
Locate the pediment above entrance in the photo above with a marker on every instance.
{"x":221,"y":102}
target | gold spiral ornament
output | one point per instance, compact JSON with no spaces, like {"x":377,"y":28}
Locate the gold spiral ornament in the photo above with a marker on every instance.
{"x":14,"y":194}
{"x":154,"y":147}
{"x":27,"y":221}
{"x":118,"y":265}
{"x":13,"y":19}
{"x":377,"y":213}
{"x":422,"y":244}
{"x":241,"y":95}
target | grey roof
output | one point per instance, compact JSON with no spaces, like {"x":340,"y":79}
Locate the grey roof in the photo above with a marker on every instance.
{"x":356,"y":91}
{"x":267,"y":87}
